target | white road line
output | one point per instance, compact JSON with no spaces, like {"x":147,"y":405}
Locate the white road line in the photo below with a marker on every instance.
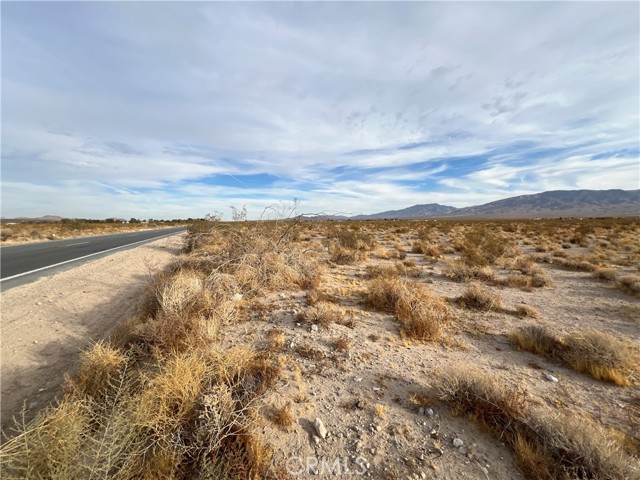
{"x":72,"y":244}
{"x":84,"y":256}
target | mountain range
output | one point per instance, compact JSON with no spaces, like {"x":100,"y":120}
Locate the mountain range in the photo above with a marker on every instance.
{"x":552,"y":204}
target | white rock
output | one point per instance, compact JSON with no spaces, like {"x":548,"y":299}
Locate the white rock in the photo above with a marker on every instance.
{"x":237,"y":297}
{"x":314,"y":328}
{"x":429,"y":412}
{"x":321,"y":430}
{"x":457,"y":442}
{"x":550,"y":377}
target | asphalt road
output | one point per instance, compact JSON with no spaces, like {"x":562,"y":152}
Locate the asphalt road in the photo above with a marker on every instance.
{"x":22,"y":263}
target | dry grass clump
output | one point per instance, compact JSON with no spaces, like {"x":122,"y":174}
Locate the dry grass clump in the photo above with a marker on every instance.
{"x":386,"y":271}
{"x":342,"y":344}
{"x":380,"y":410}
{"x":420,"y":312}
{"x":282,"y":416}
{"x":602,"y":356}
{"x":630,"y":284}
{"x":98,"y":368}
{"x":537,"y":339}
{"x":348,"y":246}
{"x":346,"y":256}
{"x":428,"y":249}
{"x":598,"y":354}
{"x":479,"y":298}
{"x":524,"y":310}
{"x":190,"y":415}
{"x":276,"y":339}
{"x":547,"y":448}
{"x":460,"y":271}
{"x":322,"y":313}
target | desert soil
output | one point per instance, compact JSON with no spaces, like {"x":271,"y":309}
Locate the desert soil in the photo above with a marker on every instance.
{"x":363,"y":395}
{"x":47,"y":323}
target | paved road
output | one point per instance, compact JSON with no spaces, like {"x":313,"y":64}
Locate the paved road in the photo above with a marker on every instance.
{"x":27,"y":262}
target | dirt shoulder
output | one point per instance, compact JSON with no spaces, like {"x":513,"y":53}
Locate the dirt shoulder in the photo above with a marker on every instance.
{"x":45,"y":324}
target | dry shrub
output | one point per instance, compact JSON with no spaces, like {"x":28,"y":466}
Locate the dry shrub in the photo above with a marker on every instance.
{"x":516,"y":281}
{"x":537,"y":339}
{"x":428,"y":249}
{"x":630,"y":284}
{"x":322,"y":313}
{"x":342,"y":344}
{"x":547,"y":448}
{"x":50,"y":446}
{"x":420,"y":312}
{"x":602,"y":356}
{"x":479,"y":298}
{"x":98,"y":368}
{"x":482,"y":247}
{"x":171,"y":398}
{"x":598,"y":354}
{"x":346,"y":256}
{"x":282,"y":416}
{"x":276,"y":339}
{"x":386,"y":271}
{"x":605,"y":274}
{"x":459,"y":271}
{"x":309,"y":352}
{"x":540,"y":280}
{"x":380,"y":410}
{"x":524,"y":310}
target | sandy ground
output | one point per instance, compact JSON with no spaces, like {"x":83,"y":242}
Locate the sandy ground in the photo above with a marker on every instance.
{"x":363,"y":395}
{"x":45,"y":324}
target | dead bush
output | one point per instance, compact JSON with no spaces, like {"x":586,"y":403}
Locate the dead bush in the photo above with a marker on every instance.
{"x":459,"y":271}
{"x":479,"y":298}
{"x":322,"y":313}
{"x":546,"y":447}
{"x":420,"y":312}
{"x":600,"y":355}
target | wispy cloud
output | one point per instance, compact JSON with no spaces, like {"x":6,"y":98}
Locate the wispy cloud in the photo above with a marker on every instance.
{"x":177,"y":109}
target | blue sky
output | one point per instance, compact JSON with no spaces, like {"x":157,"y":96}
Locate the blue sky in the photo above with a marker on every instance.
{"x":176,"y":109}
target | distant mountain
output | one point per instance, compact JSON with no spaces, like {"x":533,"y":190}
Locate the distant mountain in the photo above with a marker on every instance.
{"x":559,"y":203}
{"x":417,"y":211}
{"x":46,"y":218}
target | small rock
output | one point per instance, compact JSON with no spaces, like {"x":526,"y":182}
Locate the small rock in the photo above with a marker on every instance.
{"x":316,"y":439}
{"x":38,"y":303}
{"x":237,"y":297}
{"x":421,"y":411}
{"x":320,"y":428}
{"x":378,"y":428}
{"x":550,"y":377}
{"x":283,"y":296}
{"x":35,"y":342}
{"x":429,"y":412}
{"x":457,"y":442}
{"x":314,"y":328}
{"x":358,"y":380}
{"x":462,"y":450}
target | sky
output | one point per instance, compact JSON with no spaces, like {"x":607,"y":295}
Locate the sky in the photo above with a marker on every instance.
{"x":176,"y":110}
